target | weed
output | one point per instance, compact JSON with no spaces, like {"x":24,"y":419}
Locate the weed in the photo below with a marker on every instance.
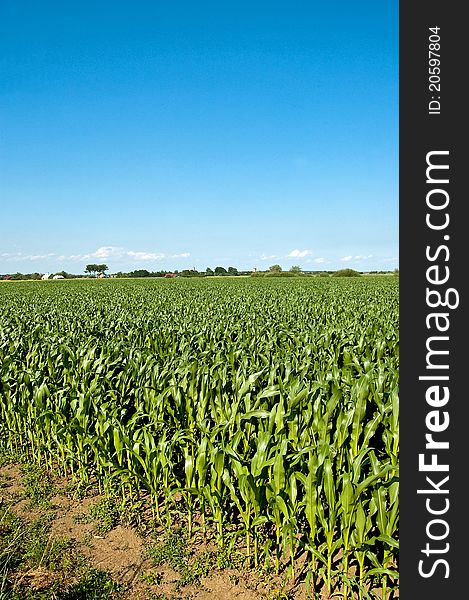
{"x":32,"y":564}
{"x":8,"y":457}
{"x":95,"y":584}
{"x":152,"y":577}
{"x":175,"y":552}
{"x":105,"y":515}
{"x":230,"y":559}
{"x":38,"y":484}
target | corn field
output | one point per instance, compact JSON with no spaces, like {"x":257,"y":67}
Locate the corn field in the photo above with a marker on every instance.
{"x":268,"y":406}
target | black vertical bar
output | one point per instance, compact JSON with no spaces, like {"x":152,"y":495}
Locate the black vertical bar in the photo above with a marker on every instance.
{"x":433,"y":258}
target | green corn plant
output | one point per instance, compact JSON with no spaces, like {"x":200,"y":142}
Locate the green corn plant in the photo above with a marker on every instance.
{"x":271,"y":404}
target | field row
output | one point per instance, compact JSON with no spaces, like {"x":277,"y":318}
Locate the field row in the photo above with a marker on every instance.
{"x":270,"y":407}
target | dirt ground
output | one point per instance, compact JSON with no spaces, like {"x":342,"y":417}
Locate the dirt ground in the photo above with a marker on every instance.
{"x":122,"y":552}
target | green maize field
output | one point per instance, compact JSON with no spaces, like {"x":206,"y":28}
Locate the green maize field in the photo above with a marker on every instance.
{"x":268,"y":406}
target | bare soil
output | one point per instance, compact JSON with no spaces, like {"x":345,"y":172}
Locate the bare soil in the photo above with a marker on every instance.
{"x":122,"y":552}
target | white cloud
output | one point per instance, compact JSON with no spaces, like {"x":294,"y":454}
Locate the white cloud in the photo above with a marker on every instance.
{"x":144,"y":255}
{"x":120,"y":254}
{"x":16,"y":256}
{"x":103,"y":252}
{"x":356,"y":257}
{"x":299,"y":253}
{"x":266,"y":257}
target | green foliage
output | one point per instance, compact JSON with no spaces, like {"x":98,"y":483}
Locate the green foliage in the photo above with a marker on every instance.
{"x":174,"y":551}
{"x":95,"y":584}
{"x":38,"y":484}
{"x":280,"y":274}
{"x":275,"y":269}
{"x":92,"y":269}
{"x":268,"y":406}
{"x":27,"y":546}
{"x":139,"y":273}
{"x":346,"y":273}
{"x":105,"y":515}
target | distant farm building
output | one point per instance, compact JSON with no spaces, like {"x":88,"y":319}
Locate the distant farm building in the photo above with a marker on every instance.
{"x":169,"y":275}
{"x":58,"y":277}
{"x":46,"y":276}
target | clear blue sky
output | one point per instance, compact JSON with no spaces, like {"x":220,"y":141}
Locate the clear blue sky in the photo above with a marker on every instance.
{"x":172,"y":135}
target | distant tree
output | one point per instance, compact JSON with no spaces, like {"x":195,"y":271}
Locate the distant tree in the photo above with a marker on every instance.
{"x":101,"y":268}
{"x":220,"y":271}
{"x":396,"y":272}
{"x":346,"y":273}
{"x":91,"y":269}
{"x":139,"y":273}
{"x":275,"y":269}
{"x":232,"y":271}
{"x":295,"y":269}
{"x":208,"y":271}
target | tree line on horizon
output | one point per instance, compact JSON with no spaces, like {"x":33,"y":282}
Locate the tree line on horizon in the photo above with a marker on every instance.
{"x":93,"y":270}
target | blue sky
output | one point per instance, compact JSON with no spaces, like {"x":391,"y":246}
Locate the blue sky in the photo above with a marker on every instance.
{"x":172,"y":135}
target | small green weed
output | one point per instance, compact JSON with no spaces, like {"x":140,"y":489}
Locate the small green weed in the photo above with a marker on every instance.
{"x":175,"y":552}
{"x":38,"y":484}
{"x":152,"y":577}
{"x":27,"y":547}
{"x":95,"y":584}
{"x":105,"y":515}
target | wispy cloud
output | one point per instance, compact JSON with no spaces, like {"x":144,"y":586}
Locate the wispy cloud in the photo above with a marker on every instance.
{"x":119,"y":254}
{"x":267,"y":256}
{"x":144,"y":255}
{"x":17,"y":256}
{"x":391,"y":260}
{"x":299,"y":253}
{"x":116,"y":253}
{"x":103,"y":252}
{"x":356,"y":257}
